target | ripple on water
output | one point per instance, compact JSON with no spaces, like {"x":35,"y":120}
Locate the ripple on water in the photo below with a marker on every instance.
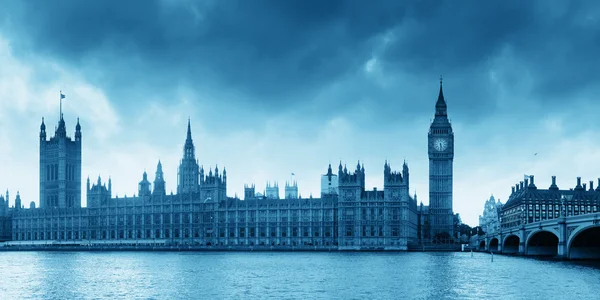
{"x":329,"y":275}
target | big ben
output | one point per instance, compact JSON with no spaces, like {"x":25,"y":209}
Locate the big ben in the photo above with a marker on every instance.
{"x":441,"y":155}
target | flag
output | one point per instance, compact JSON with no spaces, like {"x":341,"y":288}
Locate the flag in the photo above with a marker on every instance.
{"x":535,"y":153}
{"x":293,"y":174}
{"x":62,"y":96}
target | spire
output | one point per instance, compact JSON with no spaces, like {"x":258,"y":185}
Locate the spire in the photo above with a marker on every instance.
{"x":188,"y":148}
{"x":189,"y":131}
{"x":78,"y":127}
{"x":159,"y":167}
{"x":440,"y":105}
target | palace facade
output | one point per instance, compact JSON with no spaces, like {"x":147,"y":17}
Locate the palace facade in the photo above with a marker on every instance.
{"x":528,"y":204}
{"x":348,"y":217}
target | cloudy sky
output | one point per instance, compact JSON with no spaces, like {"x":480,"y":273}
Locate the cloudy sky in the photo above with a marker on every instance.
{"x":275,"y":87}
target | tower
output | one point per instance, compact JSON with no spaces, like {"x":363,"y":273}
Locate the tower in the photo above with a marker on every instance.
{"x":18,"y":204}
{"x":213,"y":187}
{"x":187,"y":175}
{"x":60,"y":167}
{"x":329,"y":183}
{"x":159,"y":181}
{"x":144,"y":186}
{"x":291,"y":190}
{"x":97,"y":194}
{"x":272,"y":190}
{"x":249,"y":191}
{"x":351,"y":187}
{"x":441,"y":155}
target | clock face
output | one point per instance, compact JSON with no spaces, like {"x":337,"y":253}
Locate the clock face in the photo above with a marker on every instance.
{"x":440,"y":144}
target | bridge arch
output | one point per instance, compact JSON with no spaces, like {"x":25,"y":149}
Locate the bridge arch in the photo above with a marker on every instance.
{"x":584,"y":243}
{"x":542,"y":242}
{"x":494,"y":245}
{"x":511,"y":244}
{"x":482,"y":245}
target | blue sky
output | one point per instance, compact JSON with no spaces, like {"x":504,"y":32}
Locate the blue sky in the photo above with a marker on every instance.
{"x":275,"y":87}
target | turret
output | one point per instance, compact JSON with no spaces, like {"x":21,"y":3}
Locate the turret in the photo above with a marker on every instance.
{"x":18,"y":201}
{"x":144,"y":186}
{"x":43,"y":130}
{"x":78,"y":131}
{"x":159,"y":181}
{"x":249,"y":191}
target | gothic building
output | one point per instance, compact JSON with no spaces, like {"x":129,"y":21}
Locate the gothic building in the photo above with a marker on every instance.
{"x":188,"y":173}
{"x":441,"y":155}
{"x":202,"y":215}
{"x":60,"y":167}
{"x":375,"y":218}
{"x":490,"y":220}
{"x":527,"y":203}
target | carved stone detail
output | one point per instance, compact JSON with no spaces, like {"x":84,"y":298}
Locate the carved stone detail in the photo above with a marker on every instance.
{"x":570,"y":230}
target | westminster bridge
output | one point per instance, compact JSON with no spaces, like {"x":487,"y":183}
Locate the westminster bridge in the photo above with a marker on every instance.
{"x":571,"y":237}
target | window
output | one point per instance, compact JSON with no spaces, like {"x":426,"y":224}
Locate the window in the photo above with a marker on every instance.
{"x":348,"y":230}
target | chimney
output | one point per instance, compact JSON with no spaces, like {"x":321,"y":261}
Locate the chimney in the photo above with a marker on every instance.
{"x":591,"y":185}
{"x":553,"y":180}
{"x":513,"y":190}
{"x":521,"y":185}
{"x":578,"y":181}
{"x":531,"y":178}
{"x":526,"y":183}
{"x":584,"y":186}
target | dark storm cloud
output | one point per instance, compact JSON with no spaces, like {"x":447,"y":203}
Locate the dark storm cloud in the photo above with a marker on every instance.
{"x":281,"y":53}
{"x":271,"y":50}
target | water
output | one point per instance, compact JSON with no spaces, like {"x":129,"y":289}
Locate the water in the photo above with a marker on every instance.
{"x":289,"y":275}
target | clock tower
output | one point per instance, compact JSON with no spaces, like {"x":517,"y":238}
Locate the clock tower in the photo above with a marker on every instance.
{"x":441,"y":155}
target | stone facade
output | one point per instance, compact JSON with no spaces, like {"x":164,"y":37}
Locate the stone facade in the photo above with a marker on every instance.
{"x":528,"y":204}
{"x":202,"y":214}
{"x":490,"y":220}
{"x":60,"y":167}
{"x":441,"y":155}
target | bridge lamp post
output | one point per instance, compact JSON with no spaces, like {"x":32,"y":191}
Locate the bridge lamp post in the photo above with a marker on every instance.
{"x":563,"y":209}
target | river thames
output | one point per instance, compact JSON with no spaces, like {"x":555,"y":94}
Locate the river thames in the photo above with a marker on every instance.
{"x":291,"y":275}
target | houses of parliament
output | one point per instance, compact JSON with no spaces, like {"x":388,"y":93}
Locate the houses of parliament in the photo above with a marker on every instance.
{"x":346,"y":216}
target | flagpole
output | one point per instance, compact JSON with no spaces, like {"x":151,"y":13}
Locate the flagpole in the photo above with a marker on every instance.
{"x":60,"y":109}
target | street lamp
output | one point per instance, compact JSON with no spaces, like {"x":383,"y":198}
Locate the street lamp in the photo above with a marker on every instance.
{"x":563,"y":209}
